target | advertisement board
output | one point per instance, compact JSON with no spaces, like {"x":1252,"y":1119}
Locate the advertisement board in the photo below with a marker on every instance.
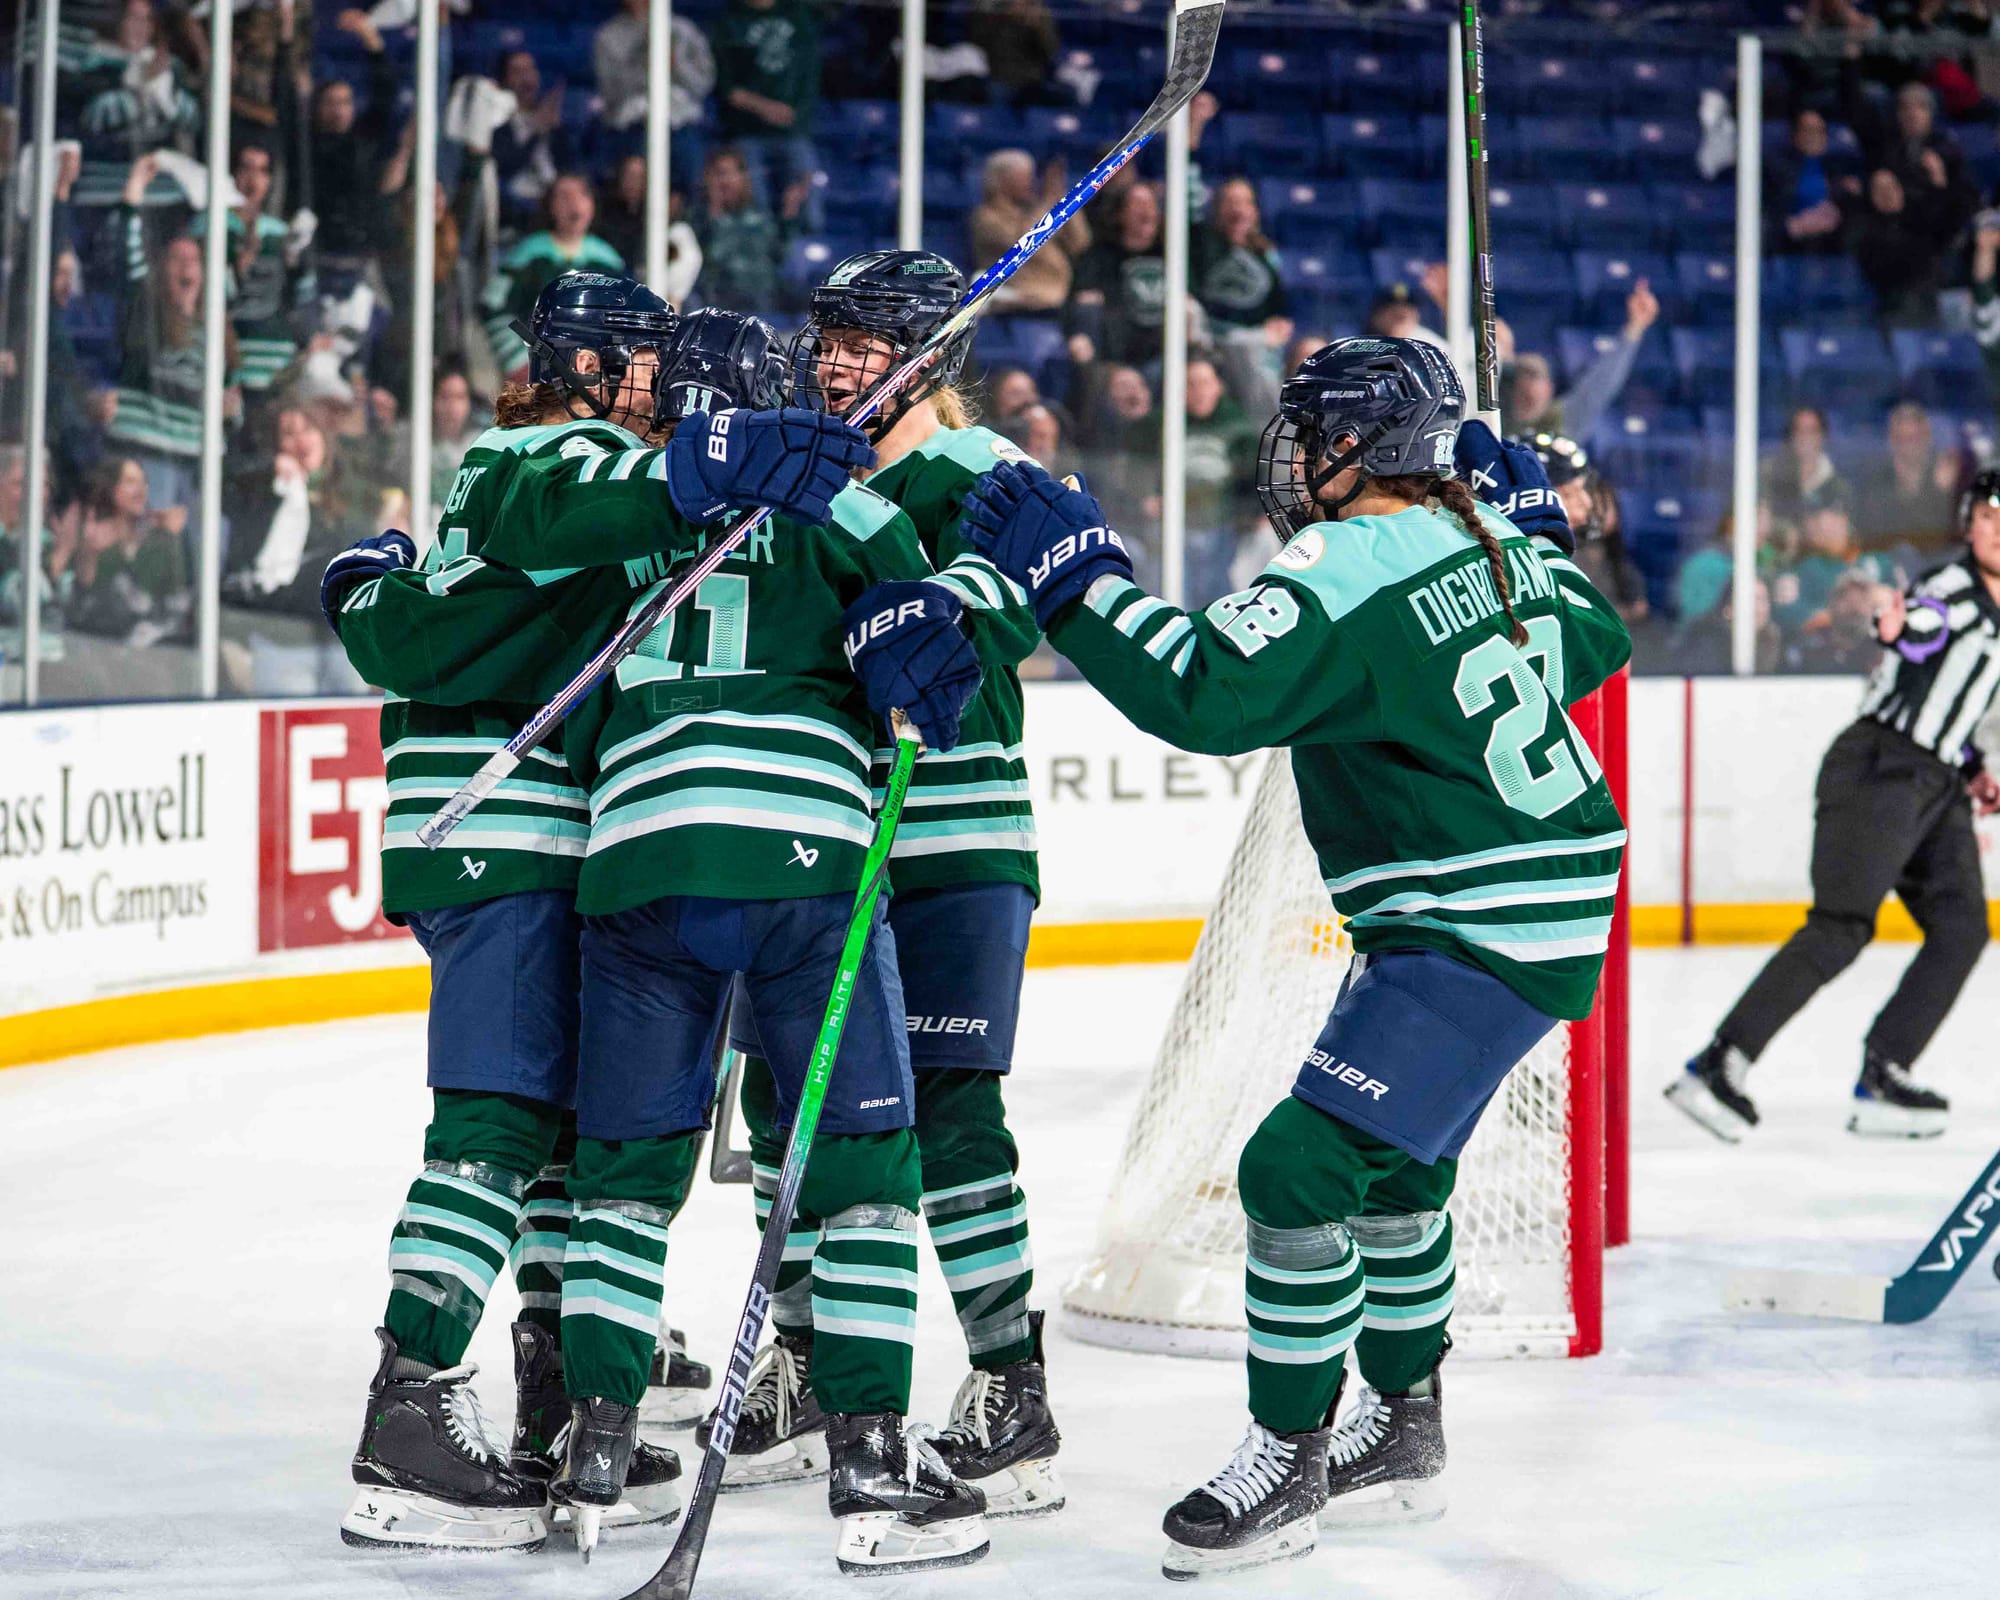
{"x":319,"y":848}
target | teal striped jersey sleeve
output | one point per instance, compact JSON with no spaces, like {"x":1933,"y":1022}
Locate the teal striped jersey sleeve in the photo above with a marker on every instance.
{"x":1450,"y":801}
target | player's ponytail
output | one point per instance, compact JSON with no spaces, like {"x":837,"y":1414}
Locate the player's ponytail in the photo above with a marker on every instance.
{"x":1456,"y":497}
{"x":953,"y":407}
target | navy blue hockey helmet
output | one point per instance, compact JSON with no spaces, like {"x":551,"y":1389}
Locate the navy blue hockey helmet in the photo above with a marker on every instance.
{"x":1389,"y":406}
{"x":879,"y":298}
{"x":608,"y":314}
{"x":716,"y":359}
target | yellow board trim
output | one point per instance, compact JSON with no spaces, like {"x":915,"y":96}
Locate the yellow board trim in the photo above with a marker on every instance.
{"x":236,"y":1007}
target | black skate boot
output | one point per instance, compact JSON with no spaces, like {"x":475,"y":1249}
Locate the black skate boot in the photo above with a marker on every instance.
{"x":1710,"y":1092}
{"x":603,"y":1437}
{"x":1257,"y":1510}
{"x":428,"y":1474}
{"x":1385,"y":1463}
{"x":676,"y":1388}
{"x":541,"y":1434}
{"x":1002,"y":1439}
{"x":781,"y":1431}
{"x":898,"y":1506}
{"x":1887,"y":1105}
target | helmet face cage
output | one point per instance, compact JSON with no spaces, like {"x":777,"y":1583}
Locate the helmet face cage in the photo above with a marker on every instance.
{"x":612,"y":317}
{"x":873,"y":310}
{"x":1983,"y":490}
{"x":1566,"y":461}
{"x":1288,"y":457}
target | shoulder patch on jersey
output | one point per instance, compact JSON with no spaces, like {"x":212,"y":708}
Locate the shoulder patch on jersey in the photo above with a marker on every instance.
{"x":1303,"y":551}
{"x":861,"y":513}
{"x":1368,"y":554}
{"x":975,"y":449}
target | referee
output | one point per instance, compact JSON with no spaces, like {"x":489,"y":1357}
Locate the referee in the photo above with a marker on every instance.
{"x":1892,"y":810}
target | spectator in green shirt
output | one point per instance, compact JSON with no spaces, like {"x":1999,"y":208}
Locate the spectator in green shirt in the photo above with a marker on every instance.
{"x":1220,"y":469}
{"x":767,"y":91}
{"x":742,"y":244}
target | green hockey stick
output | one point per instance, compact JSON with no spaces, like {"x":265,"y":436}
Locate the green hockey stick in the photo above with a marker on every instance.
{"x":675,"y":1579}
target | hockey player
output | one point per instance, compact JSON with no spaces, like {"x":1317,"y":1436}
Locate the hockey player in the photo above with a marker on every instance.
{"x":1415,"y":651}
{"x":965,"y":881}
{"x":496,"y":911}
{"x":727,"y":764}
{"x":1893,"y":810}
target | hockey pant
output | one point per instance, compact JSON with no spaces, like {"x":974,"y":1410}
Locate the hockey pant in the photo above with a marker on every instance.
{"x":977,"y":1216}
{"x":1350,"y":1246}
{"x":1887,"y":815}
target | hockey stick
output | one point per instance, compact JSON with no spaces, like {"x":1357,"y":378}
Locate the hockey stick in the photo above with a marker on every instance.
{"x":1908,"y":1298}
{"x":1485,"y":329}
{"x":675,"y":1579}
{"x":1196,"y":24}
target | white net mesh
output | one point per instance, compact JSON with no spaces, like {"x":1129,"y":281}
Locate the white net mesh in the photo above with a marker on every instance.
{"x":1167,"y":1273}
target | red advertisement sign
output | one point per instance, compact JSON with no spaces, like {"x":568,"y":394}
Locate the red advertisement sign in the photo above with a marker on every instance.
{"x":319,"y":860}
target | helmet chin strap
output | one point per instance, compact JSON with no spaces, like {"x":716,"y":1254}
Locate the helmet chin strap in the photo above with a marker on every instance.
{"x":1339,"y":464}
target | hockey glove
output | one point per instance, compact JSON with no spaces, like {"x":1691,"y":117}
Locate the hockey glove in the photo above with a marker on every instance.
{"x":1509,"y":478}
{"x":364,"y":559}
{"x":1051,"y":538}
{"x":907,"y":648}
{"x":794,"y":461}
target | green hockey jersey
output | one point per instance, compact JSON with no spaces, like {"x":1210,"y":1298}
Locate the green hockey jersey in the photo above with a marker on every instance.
{"x":467,"y":648}
{"x":1449,"y":798}
{"x":968,"y":818}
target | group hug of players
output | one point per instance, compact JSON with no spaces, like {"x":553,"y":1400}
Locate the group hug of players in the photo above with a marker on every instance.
{"x":678,"y":868}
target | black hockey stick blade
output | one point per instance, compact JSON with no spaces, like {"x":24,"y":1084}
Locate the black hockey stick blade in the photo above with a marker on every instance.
{"x":1856,"y":1297}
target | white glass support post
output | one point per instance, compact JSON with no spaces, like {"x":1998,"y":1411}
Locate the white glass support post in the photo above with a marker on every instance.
{"x":215,"y":329}
{"x":1173,"y":371}
{"x":1457,"y":214}
{"x":40,"y":289}
{"x":423,"y":272}
{"x":910,"y":147}
{"x":659,"y":139}
{"x":1749,"y":259}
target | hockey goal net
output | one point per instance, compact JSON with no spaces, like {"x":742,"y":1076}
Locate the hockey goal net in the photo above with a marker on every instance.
{"x":1167,"y":1271}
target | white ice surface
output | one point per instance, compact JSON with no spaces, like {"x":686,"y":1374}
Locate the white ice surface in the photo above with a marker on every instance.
{"x":194,"y":1259}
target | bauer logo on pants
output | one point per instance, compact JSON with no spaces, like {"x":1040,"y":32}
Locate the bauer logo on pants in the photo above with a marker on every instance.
{"x":1341,"y":1072}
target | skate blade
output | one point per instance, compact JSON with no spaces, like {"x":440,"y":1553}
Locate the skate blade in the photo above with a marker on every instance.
{"x":394,"y":1519}
{"x":874,"y":1543}
{"x":1691,"y":1097}
{"x":1026,"y":1489}
{"x":797,"y":1460}
{"x":671,"y":1410}
{"x":1385,"y":1505}
{"x":586,"y":1522}
{"x":1871,"y":1119}
{"x":1292,"y":1542}
{"x":641,"y":1508}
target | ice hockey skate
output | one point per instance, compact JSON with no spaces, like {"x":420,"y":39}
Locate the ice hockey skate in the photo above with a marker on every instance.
{"x":541,"y":1436}
{"x":1002,"y":1438}
{"x":677,"y":1387}
{"x":599,"y":1453}
{"x":1385,"y":1461}
{"x":1257,"y":1510}
{"x":1888,"y":1105}
{"x":1710,"y":1092}
{"x":429,"y":1475}
{"x":899,"y":1507}
{"x":780,"y":1435}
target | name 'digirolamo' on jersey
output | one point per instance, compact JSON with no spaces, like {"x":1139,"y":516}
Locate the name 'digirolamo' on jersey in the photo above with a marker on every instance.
{"x":1465,"y":597}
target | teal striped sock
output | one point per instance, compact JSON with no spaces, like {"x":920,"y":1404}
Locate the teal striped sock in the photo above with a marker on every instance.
{"x":1302,"y":1293}
{"x":450,"y":1242}
{"x":791,"y":1299}
{"x":1412,"y":1281}
{"x":980,"y":1232}
{"x":864,"y":1309}
{"x":539,"y":1244}
{"x":614,"y":1278}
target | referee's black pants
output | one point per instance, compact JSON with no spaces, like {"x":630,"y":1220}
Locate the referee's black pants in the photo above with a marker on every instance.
{"x":1887,"y":815}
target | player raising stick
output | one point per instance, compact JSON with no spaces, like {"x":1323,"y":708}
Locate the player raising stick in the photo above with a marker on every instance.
{"x":496,"y":913}
{"x":965,"y":879}
{"x":1415,"y":651}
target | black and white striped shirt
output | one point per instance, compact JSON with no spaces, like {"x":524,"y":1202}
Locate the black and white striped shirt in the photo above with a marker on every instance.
{"x":1938,"y":679}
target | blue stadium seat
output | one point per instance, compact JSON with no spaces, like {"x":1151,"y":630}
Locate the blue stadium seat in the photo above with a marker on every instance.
{"x":945,"y":187}
{"x":1317,"y":203}
{"x":1040,"y":347}
{"x":1520,"y":76}
{"x":1605,"y":216}
{"x":982,"y":127}
{"x":1392,"y":264}
{"x":1078,"y":135}
{"x":1826,"y":285}
{"x":1840,"y":369}
{"x":1276,"y":139}
{"x":809,"y":260}
{"x":1664,"y":80}
{"x":859,"y":127}
{"x":1256,"y":75}
{"x":1694,"y":216}
{"x":1572,"y":149}
{"x":1368,"y":146}
{"x":1523,"y":212}
{"x":1346,"y":274}
{"x":1657,"y":148}
{"x":1940,"y":369}
{"x":1403,"y":212}
{"x":1533,"y":283}
{"x":1367,"y":80}
{"x":1652,"y":363}
{"x":862,"y":199}
{"x":1605,"y":277}
{"x":1707,"y":285}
